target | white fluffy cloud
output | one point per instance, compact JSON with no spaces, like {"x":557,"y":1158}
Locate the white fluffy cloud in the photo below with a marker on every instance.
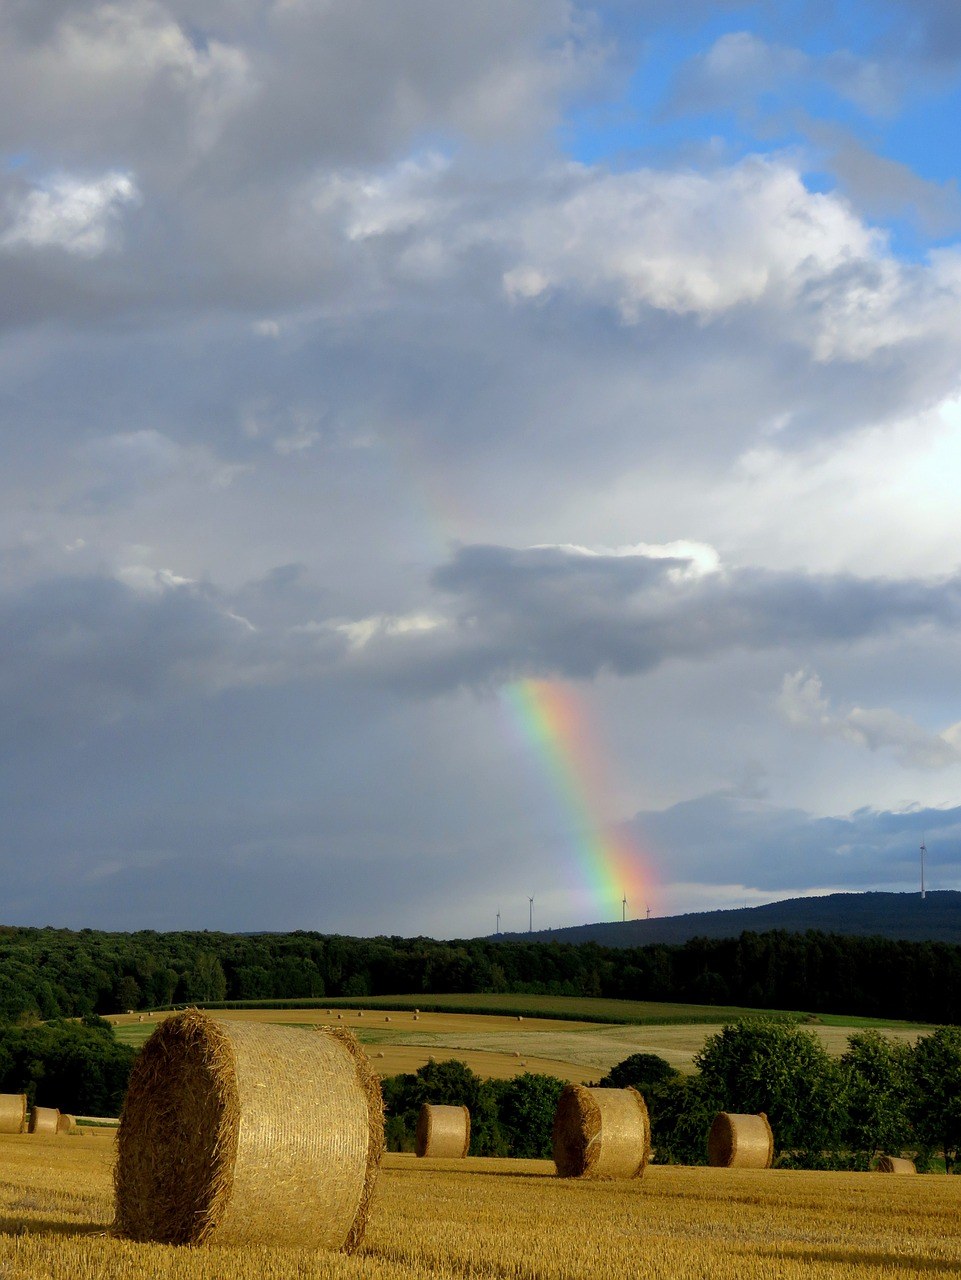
{"x":79,"y":216}
{"x":802,"y":703}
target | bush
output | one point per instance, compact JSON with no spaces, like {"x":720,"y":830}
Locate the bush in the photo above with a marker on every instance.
{"x":77,"y":1068}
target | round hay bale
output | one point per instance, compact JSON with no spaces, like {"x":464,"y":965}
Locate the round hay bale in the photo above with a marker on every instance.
{"x":13,"y":1112}
{"x":443,"y":1132}
{"x":740,"y":1142}
{"x":66,"y":1123}
{"x":896,"y":1164}
{"x":416,"y":1011}
{"x":44,"y":1120}
{"x":248,"y":1133}
{"x":387,"y":1019}
{"x":520,"y":1017}
{"x":417,"y":1017}
{"x":601,"y":1133}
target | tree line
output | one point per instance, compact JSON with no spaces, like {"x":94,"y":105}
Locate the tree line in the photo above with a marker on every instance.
{"x":881,"y":1096}
{"x":50,"y":973}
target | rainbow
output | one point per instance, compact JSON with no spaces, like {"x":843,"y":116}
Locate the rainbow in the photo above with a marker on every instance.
{"x":554,"y":723}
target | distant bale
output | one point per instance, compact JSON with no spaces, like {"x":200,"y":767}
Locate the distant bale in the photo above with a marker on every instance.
{"x":740,"y":1142}
{"x":601,"y":1133}
{"x":13,"y":1112}
{"x":44,"y":1120}
{"x":443,"y":1132}
{"x":896,"y":1164}
{"x":66,"y":1123}
{"x":248,"y":1133}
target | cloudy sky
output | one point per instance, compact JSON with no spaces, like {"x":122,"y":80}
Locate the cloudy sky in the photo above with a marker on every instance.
{"x":370,"y":371}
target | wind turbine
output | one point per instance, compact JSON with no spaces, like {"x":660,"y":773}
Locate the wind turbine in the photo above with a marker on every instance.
{"x":923,"y":852}
{"x":498,"y":922}
{"x":623,"y":908}
{"x":530,"y":919}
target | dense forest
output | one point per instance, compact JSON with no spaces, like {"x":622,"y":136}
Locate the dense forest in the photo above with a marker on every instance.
{"x":51,"y":973}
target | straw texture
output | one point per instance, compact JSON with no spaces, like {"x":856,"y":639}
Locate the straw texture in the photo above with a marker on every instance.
{"x":13,"y":1112}
{"x":443,"y":1132}
{"x":601,"y":1133}
{"x":248,"y":1133}
{"x":44,"y":1120}
{"x":896,"y":1164}
{"x":740,"y":1141}
{"x":66,"y":1123}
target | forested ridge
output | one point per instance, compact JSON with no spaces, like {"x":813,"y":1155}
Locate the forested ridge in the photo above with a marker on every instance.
{"x":59,"y":973}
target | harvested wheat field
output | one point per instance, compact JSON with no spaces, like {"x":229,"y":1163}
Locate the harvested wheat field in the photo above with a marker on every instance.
{"x":510,"y":1220}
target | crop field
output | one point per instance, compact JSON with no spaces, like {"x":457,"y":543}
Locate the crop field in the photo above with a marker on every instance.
{"x":500,"y":1046}
{"x":510,"y":1220}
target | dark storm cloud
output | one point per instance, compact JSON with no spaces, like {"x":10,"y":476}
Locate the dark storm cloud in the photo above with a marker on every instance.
{"x":552,"y":612}
{"x":719,"y":839}
{"x":93,"y":649}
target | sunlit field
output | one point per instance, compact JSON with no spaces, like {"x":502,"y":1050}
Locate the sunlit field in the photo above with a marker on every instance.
{"x":501,"y":1046}
{"x":504,"y":1219}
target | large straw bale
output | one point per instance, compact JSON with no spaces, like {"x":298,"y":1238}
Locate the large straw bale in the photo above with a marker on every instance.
{"x":443,"y":1132}
{"x":66,"y":1123}
{"x":44,"y":1120}
{"x":13,"y":1112}
{"x":601,"y":1133}
{"x":896,"y":1164}
{"x":248,"y":1133}
{"x":740,"y":1141}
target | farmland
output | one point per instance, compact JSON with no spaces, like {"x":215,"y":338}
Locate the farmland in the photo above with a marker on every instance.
{"x":510,"y":1219}
{"x":566,"y":1037}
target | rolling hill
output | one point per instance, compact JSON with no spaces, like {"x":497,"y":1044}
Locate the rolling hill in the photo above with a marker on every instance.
{"x":936,"y":918}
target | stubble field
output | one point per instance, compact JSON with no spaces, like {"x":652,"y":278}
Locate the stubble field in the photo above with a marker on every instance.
{"x":510,"y":1220}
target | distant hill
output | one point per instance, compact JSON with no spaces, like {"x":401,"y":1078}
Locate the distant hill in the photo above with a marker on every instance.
{"x":937,"y":918}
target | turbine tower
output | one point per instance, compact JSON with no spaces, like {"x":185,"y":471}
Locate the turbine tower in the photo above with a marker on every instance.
{"x":530,"y":918}
{"x":623,"y":908}
{"x":923,"y":852}
{"x":498,"y":929}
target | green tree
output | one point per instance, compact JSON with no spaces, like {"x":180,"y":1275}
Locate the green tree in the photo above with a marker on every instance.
{"x":778,"y":1068}
{"x":934,"y":1069}
{"x":641,"y":1071}
{"x":876,"y":1082}
{"x":525,"y":1113}
{"x":681,"y":1112}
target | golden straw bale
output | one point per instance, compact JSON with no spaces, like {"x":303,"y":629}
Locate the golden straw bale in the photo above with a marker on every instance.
{"x":248,"y":1133}
{"x":740,"y":1141}
{"x":443,"y":1132}
{"x":13,"y":1112}
{"x":601,"y":1133}
{"x":44,"y":1120}
{"x":66,"y":1123}
{"x":896,"y":1164}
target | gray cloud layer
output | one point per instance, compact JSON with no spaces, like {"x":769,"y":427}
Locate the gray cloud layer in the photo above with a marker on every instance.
{"x":311,"y":327}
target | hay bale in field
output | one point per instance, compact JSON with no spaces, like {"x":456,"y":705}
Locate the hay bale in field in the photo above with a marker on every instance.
{"x":896,"y":1164}
{"x":740,"y":1142}
{"x":417,"y":1017}
{"x":387,"y":1019}
{"x":443,"y":1132}
{"x":66,"y":1123}
{"x":601,"y":1133}
{"x":44,"y":1120}
{"x":13,"y":1112}
{"x":248,"y":1133}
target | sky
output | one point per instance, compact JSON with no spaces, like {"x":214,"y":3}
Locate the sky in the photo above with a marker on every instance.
{"x":458,"y":454}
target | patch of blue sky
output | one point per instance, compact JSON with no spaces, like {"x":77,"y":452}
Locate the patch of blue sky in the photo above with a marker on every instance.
{"x":926,"y":135}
